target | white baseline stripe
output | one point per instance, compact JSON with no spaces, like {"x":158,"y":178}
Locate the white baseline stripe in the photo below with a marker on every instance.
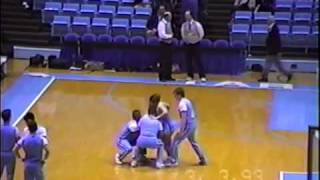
{"x":34,"y":101}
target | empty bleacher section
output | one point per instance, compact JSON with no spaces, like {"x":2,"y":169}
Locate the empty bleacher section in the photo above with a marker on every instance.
{"x":297,"y":20}
{"x":108,"y":17}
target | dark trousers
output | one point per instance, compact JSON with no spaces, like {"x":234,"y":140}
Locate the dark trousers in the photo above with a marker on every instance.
{"x":193,"y":55}
{"x":276,"y":60}
{"x":165,"y":69}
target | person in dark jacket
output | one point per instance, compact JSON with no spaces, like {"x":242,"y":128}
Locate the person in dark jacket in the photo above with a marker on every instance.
{"x":273,"y":47}
{"x":265,"y":6}
{"x":153,"y":21}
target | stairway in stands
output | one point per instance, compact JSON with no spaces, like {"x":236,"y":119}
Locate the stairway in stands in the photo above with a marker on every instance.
{"x":22,"y":27}
{"x":219,"y":15}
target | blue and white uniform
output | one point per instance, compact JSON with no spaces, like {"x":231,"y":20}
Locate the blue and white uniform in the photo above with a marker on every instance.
{"x":150,"y":128}
{"x":127,"y":138}
{"x":149,"y":131}
{"x":167,"y":124}
{"x":9,"y":136}
{"x":185,"y":106}
{"x":41,"y":131}
{"x":33,"y":146}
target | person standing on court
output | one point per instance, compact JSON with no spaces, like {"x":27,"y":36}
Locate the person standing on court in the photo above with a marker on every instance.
{"x":188,"y":127}
{"x":33,"y":146}
{"x":9,"y":137}
{"x":41,"y":131}
{"x":273,"y":47}
{"x":165,"y":34}
{"x":192,"y":33}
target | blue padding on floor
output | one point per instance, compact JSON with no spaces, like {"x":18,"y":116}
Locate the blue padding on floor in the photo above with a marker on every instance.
{"x":292,"y":176}
{"x":294,"y":110}
{"x":23,"y":94}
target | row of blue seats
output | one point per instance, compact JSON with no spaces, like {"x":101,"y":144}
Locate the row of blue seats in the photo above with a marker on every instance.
{"x":296,"y":36}
{"x":40,"y":4}
{"x":280,"y":17}
{"x":91,"y":10}
{"x":296,"y":5}
{"x":61,"y":25}
{"x":139,"y":53}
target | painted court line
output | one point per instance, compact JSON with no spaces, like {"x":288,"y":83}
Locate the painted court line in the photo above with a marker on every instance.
{"x":23,"y":94}
{"x":34,"y":101}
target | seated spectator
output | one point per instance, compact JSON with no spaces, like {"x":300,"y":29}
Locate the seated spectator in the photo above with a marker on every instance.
{"x":168,"y":4}
{"x":244,"y":5}
{"x":153,"y":21}
{"x":141,"y":3}
{"x":264,"y":6}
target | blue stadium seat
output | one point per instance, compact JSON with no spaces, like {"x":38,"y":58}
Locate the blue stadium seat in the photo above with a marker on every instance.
{"x":302,"y":18}
{"x":88,"y":10}
{"x":138,"y":27}
{"x":315,"y":7}
{"x":106,"y":11}
{"x":124,"y":12}
{"x":96,"y":2}
{"x":240,"y":32}
{"x":304,"y":5}
{"x":100,"y":25}
{"x":127,"y":2}
{"x":111,"y":2}
{"x":119,"y":55}
{"x":299,"y":36}
{"x":284,"y":31}
{"x":142,"y":13}
{"x":315,"y":19}
{"x":70,"y":9}
{"x":60,"y":25}
{"x":135,"y":58}
{"x":261,"y":17}
{"x":80,"y":25}
{"x":241,"y":17}
{"x":283,"y":17}
{"x":119,"y":26}
{"x":258,"y":34}
{"x":50,"y":10}
{"x":38,"y":4}
{"x":314,"y":37}
{"x":284,"y":5}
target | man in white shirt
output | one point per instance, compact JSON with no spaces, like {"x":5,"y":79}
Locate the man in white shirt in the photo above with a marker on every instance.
{"x":192,"y":33}
{"x":165,"y":35}
{"x":30,"y":117}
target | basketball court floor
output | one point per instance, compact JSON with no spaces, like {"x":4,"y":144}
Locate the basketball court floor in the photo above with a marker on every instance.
{"x":236,"y":131}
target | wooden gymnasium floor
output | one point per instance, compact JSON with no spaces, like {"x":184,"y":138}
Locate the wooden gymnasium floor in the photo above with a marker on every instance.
{"x":83,"y":119}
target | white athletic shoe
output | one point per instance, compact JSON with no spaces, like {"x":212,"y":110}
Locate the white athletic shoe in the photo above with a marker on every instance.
{"x":117,"y":160}
{"x":203,"y":80}
{"x":159,"y":165}
{"x":134,"y":163}
{"x":171,"y":163}
{"x":190,"y":81}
